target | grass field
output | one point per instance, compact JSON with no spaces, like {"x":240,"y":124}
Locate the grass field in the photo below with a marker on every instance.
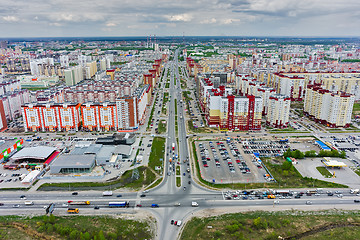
{"x":322,"y":225}
{"x":157,"y":152}
{"x":324,"y":172}
{"x":73,"y":227}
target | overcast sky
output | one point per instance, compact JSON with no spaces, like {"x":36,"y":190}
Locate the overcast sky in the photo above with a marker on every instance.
{"x":77,"y":18}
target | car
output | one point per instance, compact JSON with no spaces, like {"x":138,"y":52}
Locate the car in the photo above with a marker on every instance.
{"x":96,"y":207}
{"x":175,"y":223}
{"x":189,"y":182}
{"x":308,"y":202}
{"x":184,"y":188}
{"x":1,"y":204}
{"x":65,"y":205}
{"x":297,"y":196}
{"x":172,"y":222}
{"x":138,"y":205}
{"x":356,"y":200}
{"x":23,"y":197}
{"x":142,"y":195}
{"x":74,"y":193}
{"x":16,"y":206}
{"x":119,"y":195}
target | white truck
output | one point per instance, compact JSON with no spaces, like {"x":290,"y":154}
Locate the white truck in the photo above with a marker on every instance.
{"x":354,"y":191}
{"x":107,"y":193}
{"x":28,"y":203}
{"x":194,"y":204}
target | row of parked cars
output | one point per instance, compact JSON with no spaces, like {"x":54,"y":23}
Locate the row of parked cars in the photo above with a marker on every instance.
{"x":238,"y":158}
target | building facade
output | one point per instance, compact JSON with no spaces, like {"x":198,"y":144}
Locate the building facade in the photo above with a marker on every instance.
{"x":278,"y":111}
{"x":333,"y":109}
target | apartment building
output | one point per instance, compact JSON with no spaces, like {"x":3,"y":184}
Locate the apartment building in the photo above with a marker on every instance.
{"x":333,"y":109}
{"x":51,"y":117}
{"x":278,"y":111}
{"x":227,"y":111}
{"x":98,"y":116}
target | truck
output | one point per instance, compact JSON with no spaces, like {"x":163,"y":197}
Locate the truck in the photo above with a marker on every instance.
{"x":79,"y":202}
{"x":107,"y":193}
{"x":28,"y":203}
{"x":194,"y":204}
{"x":173,"y":146}
{"x":354,"y":191}
{"x":119,"y":204}
{"x":73,"y":210}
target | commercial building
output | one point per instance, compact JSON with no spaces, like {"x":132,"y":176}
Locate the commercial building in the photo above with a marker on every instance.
{"x":73,"y":164}
{"x":331,"y":108}
{"x":34,"y":154}
{"x":278,"y":111}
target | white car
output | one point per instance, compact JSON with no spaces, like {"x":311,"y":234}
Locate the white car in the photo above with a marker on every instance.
{"x":65,"y":205}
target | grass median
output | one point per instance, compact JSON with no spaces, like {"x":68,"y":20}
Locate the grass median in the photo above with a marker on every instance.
{"x":157,"y":152}
{"x":178,"y":181}
{"x":324,"y":172}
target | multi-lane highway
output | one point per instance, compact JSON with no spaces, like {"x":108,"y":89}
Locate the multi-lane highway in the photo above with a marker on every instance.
{"x":167,"y":195}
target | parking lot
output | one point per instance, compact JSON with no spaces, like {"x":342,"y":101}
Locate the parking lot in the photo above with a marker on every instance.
{"x":225,"y":162}
{"x":265,"y":148}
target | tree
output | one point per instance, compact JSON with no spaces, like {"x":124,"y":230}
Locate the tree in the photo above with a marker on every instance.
{"x":311,"y":153}
{"x":286,"y":165}
{"x":86,"y":236}
{"x":101,"y":235}
{"x":74,"y":234}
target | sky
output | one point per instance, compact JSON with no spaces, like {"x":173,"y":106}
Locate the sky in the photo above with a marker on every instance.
{"x":89,"y":18}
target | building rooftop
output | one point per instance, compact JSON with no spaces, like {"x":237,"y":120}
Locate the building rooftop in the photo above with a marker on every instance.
{"x":39,"y":152}
{"x":72,"y":161}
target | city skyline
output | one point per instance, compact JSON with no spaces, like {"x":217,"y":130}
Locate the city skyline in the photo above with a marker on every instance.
{"x":191,"y":18}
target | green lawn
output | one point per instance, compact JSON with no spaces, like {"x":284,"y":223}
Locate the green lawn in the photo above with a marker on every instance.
{"x":167,"y":85}
{"x":157,"y":152}
{"x":73,"y":227}
{"x":324,"y":172}
{"x":271,"y":225}
{"x":356,"y":106}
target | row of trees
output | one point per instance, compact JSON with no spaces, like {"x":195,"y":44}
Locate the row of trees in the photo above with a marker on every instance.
{"x":312,"y":153}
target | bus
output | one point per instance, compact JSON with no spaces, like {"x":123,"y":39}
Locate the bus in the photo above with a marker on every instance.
{"x":119,"y":204}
